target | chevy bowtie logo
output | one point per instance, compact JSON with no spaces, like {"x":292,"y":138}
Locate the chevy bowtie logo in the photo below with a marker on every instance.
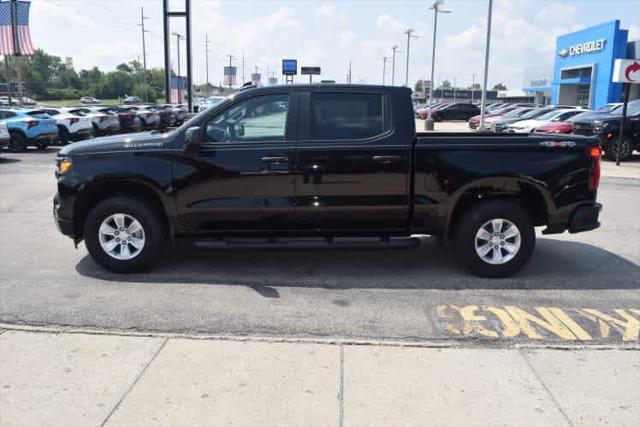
{"x":563,"y":53}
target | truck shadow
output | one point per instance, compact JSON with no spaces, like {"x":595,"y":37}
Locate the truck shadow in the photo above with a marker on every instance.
{"x":555,"y":264}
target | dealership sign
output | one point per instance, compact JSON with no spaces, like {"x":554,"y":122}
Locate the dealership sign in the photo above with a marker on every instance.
{"x":626,"y":71}
{"x":582,"y":48}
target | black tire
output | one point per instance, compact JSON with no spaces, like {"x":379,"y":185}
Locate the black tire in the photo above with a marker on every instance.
{"x":18,"y":142}
{"x":63,"y":135}
{"x":479,"y":215}
{"x":41,"y":146}
{"x":626,"y":151}
{"x":154,"y":232}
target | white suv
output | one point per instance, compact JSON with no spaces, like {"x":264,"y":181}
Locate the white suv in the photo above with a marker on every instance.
{"x":104,"y":120}
{"x":71,"y":127}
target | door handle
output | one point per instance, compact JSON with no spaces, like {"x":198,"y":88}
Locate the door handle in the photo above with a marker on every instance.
{"x":275,"y":159}
{"x":386,"y":159}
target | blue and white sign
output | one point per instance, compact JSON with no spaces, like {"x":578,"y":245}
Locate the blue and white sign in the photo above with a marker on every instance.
{"x":289,"y":67}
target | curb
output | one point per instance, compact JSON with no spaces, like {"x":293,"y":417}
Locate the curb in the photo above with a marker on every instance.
{"x":453,"y":343}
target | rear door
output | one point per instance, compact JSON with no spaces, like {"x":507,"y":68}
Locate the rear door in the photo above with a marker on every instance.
{"x":352,"y":165}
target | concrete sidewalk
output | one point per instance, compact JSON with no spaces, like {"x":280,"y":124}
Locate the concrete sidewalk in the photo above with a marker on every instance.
{"x":82,"y":379}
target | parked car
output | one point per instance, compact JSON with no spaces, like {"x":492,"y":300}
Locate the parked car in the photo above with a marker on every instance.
{"x":502,"y":124}
{"x":474,"y":121}
{"x":131,"y":100}
{"x":129,"y":121}
{"x":518,"y":112}
{"x":423,"y":113}
{"x":5,"y":137}
{"x":29,"y":127}
{"x":149,"y":118}
{"x":216,"y":178}
{"x":607,"y":128}
{"x":71,"y":127}
{"x":167,"y":117}
{"x":528,"y":126}
{"x":456,"y":111}
{"x":104,"y":121}
{"x":558,"y":127}
{"x":89,"y":100}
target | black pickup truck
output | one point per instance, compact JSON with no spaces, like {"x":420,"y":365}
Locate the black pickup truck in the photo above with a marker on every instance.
{"x":333,"y":164}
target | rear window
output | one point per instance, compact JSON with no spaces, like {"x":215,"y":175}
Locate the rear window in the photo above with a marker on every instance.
{"x":39,"y":114}
{"x":336,"y":116}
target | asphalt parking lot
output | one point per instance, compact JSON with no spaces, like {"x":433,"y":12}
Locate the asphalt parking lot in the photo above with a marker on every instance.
{"x":590,"y":282}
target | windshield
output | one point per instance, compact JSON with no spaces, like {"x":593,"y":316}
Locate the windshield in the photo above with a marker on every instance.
{"x":516,"y":113}
{"x":549,"y":115}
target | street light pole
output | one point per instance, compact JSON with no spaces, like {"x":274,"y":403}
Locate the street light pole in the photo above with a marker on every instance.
{"x":384,"y":68}
{"x":409,"y":34}
{"x":473,"y":84}
{"x":144,"y":51}
{"x":436,"y":9}
{"x":206,"y":57}
{"x":486,"y":67}
{"x":394,"y":50}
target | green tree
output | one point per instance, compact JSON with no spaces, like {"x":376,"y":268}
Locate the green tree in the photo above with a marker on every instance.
{"x":446,"y":84}
{"x":418,"y":87}
{"x":475,"y":86}
{"x":499,"y":86}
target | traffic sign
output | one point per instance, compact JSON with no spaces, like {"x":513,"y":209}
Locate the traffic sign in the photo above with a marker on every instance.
{"x":626,"y":71}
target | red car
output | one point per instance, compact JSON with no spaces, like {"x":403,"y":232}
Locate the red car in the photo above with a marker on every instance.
{"x":474,"y":121}
{"x":560,"y":127}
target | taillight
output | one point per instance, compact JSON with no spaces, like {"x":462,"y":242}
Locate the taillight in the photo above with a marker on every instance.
{"x":31,"y":123}
{"x":594,"y":179}
{"x":73,"y":120}
{"x":103,"y":118}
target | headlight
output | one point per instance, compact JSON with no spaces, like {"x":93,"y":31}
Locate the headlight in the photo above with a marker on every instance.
{"x":597,"y":126}
{"x":64,"y":164}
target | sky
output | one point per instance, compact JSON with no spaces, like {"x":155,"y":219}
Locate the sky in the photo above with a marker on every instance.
{"x":329,"y":34}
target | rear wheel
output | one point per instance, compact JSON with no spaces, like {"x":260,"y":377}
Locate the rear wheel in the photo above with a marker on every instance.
{"x":18,"y":142}
{"x":495,"y":239}
{"x":124,"y":234}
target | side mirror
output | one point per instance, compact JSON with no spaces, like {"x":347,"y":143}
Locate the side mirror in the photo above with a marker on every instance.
{"x":192,"y":138}
{"x":239,"y":129}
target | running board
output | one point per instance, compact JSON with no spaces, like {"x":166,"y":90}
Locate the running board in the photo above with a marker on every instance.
{"x":309,"y":243}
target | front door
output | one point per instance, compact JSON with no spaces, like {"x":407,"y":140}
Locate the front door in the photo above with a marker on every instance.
{"x":353,"y":166}
{"x":241,"y":178}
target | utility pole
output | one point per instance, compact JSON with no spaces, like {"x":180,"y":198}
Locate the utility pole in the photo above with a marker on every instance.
{"x":486,"y":67}
{"x":454,"y":89}
{"x":410,"y":35}
{"x":349,"y":75}
{"x":384,"y":68}
{"x":394,"y":50}
{"x":144,"y":51}
{"x":230,"y":76}
{"x":206,"y":57}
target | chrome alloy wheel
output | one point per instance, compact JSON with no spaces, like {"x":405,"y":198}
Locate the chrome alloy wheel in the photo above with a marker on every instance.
{"x":497,"y":241}
{"x":121,"y":236}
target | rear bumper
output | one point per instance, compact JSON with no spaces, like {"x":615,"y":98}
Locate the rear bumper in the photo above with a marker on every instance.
{"x":585,"y":218}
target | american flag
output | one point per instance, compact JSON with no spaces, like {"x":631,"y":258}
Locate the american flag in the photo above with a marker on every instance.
{"x":176,"y":86}
{"x":22,"y":44}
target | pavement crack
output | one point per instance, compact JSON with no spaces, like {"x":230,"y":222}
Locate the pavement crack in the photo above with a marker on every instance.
{"x":553,"y":398}
{"x":341,"y":389}
{"x":133,"y":384}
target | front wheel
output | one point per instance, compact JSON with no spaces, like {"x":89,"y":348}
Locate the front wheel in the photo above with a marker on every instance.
{"x":18,"y":142}
{"x":626,"y":150}
{"x":495,"y":238}
{"x":124,"y":234}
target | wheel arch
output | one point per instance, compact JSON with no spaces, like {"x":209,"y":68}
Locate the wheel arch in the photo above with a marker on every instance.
{"x":531,"y":196}
{"x":95,"y":192}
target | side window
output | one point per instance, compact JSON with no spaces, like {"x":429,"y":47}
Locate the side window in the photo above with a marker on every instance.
{"x":254,"y":119}
{"x":337,"y":116}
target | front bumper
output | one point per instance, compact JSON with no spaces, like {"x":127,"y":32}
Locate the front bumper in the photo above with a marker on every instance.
{"x":65,"y":225}
{"x":585,"y":218}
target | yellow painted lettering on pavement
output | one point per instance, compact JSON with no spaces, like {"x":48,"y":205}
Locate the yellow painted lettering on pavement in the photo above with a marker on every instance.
{"x":570,"y":323}
{"x":548,"y":321}
{"x":509,"y":327}
{"x":472,"y":321}
{"x":629,"y":328}
{"x":441,"y":310}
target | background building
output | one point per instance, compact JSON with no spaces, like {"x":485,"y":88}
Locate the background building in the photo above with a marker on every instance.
{"x":584,"y":65}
